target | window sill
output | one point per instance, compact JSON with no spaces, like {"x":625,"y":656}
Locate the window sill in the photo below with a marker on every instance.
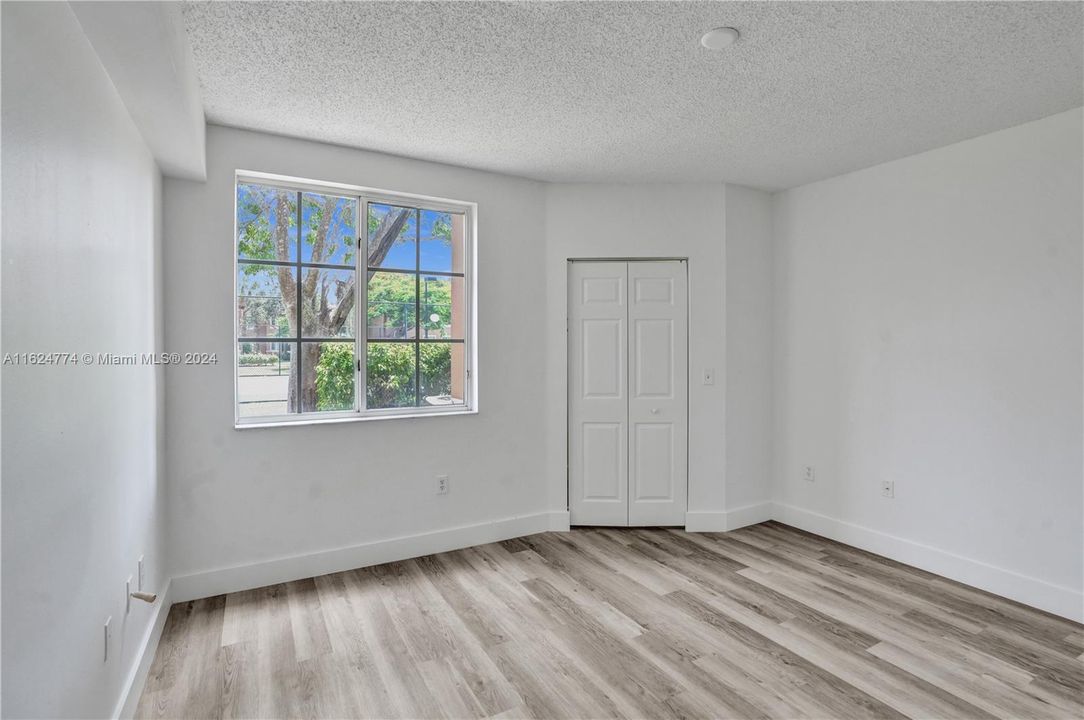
{"x":356,"y":417}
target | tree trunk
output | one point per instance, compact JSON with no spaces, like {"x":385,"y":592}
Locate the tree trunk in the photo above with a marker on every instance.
{"x":292,"y":401}
{"x":310,"y":355}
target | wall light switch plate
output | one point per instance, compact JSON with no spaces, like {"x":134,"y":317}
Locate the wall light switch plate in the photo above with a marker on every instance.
{"x":810,"y":474}
{"x":442,"y":484}
{"x":888,"y":488}
{"x":709,"y":376}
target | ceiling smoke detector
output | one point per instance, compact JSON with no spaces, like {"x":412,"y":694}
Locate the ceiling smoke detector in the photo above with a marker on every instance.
{"x":719,"y":38}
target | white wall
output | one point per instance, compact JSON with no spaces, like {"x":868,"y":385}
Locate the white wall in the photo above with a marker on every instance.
{"x":657,"y":221}
{"x":82,"y":475}
{"x":238,"y":497}
{"x":928,"y":331}
{"x":145,"y":49}
{"x":748,"y":353}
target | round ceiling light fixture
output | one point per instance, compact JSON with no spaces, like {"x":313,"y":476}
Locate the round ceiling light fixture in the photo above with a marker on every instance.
{"x":719,"y":38}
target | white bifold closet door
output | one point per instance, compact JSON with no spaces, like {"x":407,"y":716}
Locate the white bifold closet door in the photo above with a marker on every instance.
{"x":628,"y":392}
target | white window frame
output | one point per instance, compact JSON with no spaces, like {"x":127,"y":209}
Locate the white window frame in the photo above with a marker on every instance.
{"x":363,"y":196}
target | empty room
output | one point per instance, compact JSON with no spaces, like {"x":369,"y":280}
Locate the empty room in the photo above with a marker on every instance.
{"x":539,"y":359}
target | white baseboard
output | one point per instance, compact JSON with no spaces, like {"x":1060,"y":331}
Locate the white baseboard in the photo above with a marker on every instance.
{"x":1056,"y":599}
{"x":560,"y":521}
{"x":726,"y":520}
{"x":299,"y":567}
{"x":137,"y":676}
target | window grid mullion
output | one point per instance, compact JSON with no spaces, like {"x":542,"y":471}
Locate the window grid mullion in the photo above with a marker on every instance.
{"x":361,"y":309}
{"x":298,"y":405}
{"x":423,"y":341}
{"x":292,"y":263}
{"x":401,"y":271}
{"x":417,"y":308}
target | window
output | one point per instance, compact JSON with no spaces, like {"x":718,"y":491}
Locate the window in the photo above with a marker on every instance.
{"x":349,"y":303}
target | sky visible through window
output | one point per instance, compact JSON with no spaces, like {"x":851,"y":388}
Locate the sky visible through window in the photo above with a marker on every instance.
{"x":435,"y":255}
{"x":435,"y":252}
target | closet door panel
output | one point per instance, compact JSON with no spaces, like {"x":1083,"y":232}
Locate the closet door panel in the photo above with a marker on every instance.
{"x":598,"y":393}
{"x":658,"y":393}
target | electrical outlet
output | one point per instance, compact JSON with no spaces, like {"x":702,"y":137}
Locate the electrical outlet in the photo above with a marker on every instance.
{"x":128,"y":595}
{"x":888,"y":488}
{"x":709,"y":376}
{"x":810,"y":474}
{"x":139,"y":575}
{"x":107,"y":635}
{"x":442,"y":484}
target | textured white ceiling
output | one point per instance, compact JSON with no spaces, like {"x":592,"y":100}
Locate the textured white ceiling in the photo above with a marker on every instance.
{"x":617,"y":91}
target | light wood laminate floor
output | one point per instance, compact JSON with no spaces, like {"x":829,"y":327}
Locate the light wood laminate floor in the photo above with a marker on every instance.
{"x":763,"y":622}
